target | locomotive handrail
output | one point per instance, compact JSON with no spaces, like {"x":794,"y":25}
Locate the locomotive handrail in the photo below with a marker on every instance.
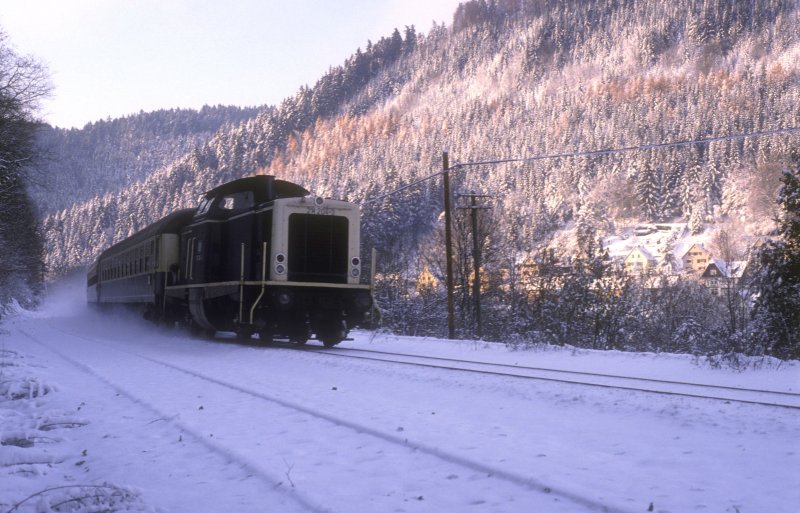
{"x":241,"y":286}
{"x":263,"y":283}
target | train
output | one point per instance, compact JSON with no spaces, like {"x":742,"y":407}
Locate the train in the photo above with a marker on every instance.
{"x":258,"y":256}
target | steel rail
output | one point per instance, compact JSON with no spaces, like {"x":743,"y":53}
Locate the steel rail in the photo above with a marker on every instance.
{"x":337,"y":352}
{"x":565,"y":371}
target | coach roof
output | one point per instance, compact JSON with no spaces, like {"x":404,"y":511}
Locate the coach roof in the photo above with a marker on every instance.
{"x":169,"y":224}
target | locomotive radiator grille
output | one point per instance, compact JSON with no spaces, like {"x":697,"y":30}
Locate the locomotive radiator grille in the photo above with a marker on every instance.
{"x":318,"y":248}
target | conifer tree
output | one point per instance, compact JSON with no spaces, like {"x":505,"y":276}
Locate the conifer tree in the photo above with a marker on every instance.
{"x":776,"y":323}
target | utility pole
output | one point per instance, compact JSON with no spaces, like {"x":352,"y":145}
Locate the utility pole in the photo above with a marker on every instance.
{"x":476,"y":256}
{"x":448,"y":241}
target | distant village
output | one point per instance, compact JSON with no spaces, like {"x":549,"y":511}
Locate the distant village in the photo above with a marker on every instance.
{"x":650,"y":252}
{"x":668,"y":250}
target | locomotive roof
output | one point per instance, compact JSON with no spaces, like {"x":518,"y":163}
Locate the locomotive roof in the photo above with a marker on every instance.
{"x":171,"y":223}
{"x":264,"y":187}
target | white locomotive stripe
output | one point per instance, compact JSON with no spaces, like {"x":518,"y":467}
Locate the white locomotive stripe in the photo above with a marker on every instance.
{"x":237,"y":216}
{"x":274,"y":283}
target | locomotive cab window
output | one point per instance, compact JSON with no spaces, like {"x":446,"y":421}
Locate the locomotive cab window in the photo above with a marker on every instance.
{"x":205,"y":205}
{"x":235,"y":202}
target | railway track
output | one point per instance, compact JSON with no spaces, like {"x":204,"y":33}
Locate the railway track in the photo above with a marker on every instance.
{"x":269,"y":480}
{"x":400,"y":442}
{"x":762,"y":397}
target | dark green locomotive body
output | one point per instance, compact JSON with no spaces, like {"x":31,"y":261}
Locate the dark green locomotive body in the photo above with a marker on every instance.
{"x":258,"y":255}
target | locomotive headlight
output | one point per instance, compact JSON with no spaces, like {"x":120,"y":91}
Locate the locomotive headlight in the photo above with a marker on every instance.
{"x":319,"y":201}
{"x":355,"y":269}
{"x":280,"y":263}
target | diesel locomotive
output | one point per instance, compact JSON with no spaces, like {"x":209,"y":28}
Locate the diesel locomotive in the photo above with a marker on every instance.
{"x":257,"y":256}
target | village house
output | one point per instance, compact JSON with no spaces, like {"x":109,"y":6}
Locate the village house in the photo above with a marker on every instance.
{"x":720,"y":276}
{"x":696,"y":259}
{"x":533,"y":276}
{"x":426,"y":282}
{"x":639,"y":261}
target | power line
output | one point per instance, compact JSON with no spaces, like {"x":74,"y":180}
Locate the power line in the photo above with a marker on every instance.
{"x":407,"y":186}
{"x":642,"y":147}
{"x":589,"y":153}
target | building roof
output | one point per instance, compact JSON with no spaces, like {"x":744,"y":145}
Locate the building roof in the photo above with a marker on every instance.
{"x":733,"y":269}
{"x":695,"y":245}
{"x":643,"y":251}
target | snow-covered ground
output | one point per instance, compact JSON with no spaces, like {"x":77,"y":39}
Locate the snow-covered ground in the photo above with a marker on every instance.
{"x":107,"y":413}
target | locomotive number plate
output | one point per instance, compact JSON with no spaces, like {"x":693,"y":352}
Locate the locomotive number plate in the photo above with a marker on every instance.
{"x":321,"y":211}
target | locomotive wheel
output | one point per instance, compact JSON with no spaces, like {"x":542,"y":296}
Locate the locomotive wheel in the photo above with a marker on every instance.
{"x":200,"y":332}
{"x":265,"y":337}
{"x":300,"y":334}
{"x":331,"y":332}
{"x":244,"y":334}
{"x":330,"y":342}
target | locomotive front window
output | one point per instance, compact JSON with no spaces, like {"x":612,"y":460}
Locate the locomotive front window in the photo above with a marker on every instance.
{"x":318,"y":247}
{"x":204,"y":206}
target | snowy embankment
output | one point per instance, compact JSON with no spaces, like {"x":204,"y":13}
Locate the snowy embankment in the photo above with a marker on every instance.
{"x":106,"y":413}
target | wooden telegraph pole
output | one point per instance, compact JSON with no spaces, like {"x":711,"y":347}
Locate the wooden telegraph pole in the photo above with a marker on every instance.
{"x":448,"y":241}
{"x":476,"y":256}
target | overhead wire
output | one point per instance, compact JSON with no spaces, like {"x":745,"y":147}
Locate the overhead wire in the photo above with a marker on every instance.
{"x":588,"y":153}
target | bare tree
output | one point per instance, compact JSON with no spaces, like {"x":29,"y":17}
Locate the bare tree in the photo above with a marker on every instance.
{"x":23,"y":85}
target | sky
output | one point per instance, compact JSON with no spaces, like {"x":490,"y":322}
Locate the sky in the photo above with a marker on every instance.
{"x":115,"y":58}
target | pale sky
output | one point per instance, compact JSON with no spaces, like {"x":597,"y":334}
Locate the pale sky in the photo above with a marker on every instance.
{"x":111,"y":58}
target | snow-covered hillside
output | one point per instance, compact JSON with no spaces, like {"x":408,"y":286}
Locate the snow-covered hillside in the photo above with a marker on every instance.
{"x":108,"y":410}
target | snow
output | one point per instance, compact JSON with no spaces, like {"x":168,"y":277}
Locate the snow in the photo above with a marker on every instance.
{"x":105,"y":412}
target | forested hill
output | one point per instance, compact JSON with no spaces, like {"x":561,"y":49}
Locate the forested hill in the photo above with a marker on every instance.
{"x":506,"y":79}
{"x":108,"y":156}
